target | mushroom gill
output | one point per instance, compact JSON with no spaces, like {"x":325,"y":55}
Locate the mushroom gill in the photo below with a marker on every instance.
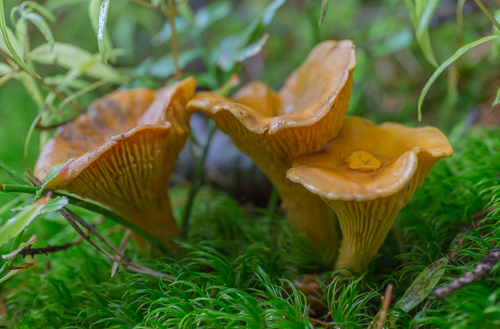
{"x":367,"y":175}
{"x":273,"y":128}
{"x":122,"y":151}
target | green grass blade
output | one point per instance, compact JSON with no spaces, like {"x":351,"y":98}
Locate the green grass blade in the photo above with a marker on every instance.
{"x":103,"y":17}
{"x":324,"y":10}
{"x":15,"y":55}
{"x":422,"y":32}
{"x":462,"y":50}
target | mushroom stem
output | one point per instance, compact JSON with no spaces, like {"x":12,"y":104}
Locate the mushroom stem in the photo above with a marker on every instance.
{"x":274,"y":128}
{"x":365,"y":224}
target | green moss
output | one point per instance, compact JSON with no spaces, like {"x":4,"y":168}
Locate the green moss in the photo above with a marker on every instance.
{"x":234,"y":269}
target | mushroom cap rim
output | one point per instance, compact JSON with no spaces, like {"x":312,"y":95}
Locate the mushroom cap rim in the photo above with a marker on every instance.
{"x":262,"y":124}
{"x":294,"y":174}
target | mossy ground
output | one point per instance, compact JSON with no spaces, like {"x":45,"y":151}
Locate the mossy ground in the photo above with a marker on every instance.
{"x":235,"y":269}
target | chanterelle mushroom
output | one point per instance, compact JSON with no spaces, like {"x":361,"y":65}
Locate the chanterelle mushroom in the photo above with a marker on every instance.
{"x":122,"y":152}
{"x":367,"y":175}
{"x":274,"y":128}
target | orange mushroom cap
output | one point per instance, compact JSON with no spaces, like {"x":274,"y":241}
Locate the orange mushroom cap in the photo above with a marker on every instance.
{"x":367,"y":175}
{"x":122,"y":152}
{"x":275,"y":127}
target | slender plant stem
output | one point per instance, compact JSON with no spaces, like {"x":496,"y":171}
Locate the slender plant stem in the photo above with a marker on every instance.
{"x":172,"y":10}
{"x":197,"y":180}
{"x":148,"y":5}
{"x":8,"y":188}
{"x":487,"y":13}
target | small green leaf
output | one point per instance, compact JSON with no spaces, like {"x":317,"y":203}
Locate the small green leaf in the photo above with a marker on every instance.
{"x":324,"y":10}
{"x":43,"y":27}
{"x":103,"y":18}
{"x":12,"y":173}
{"x":72,"y":57}
{"x":6,"y":38}
{"x":16,"y":225}
{"x":462,"y":50}
{"x":422,"y":286}
{"x":53,"y":205}
{"x":497,"y":99}
{"x":54,"y":171}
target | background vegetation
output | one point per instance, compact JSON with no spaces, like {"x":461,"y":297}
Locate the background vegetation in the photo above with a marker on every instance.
{"x":235,"y":267}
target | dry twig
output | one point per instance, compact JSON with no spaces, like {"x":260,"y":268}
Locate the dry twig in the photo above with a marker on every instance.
{"x":385,"y":306}
{"x":478,"y":271}
{"x":122,"y":248}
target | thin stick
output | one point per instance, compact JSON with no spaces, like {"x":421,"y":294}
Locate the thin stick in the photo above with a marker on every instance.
{"x":316,"y":321}
{"x":478,"y":271}
{"x":385,"y":306}
{"x":122,"y":248}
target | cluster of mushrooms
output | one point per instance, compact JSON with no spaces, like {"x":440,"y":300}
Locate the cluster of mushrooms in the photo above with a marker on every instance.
{"x":122,"y":151}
